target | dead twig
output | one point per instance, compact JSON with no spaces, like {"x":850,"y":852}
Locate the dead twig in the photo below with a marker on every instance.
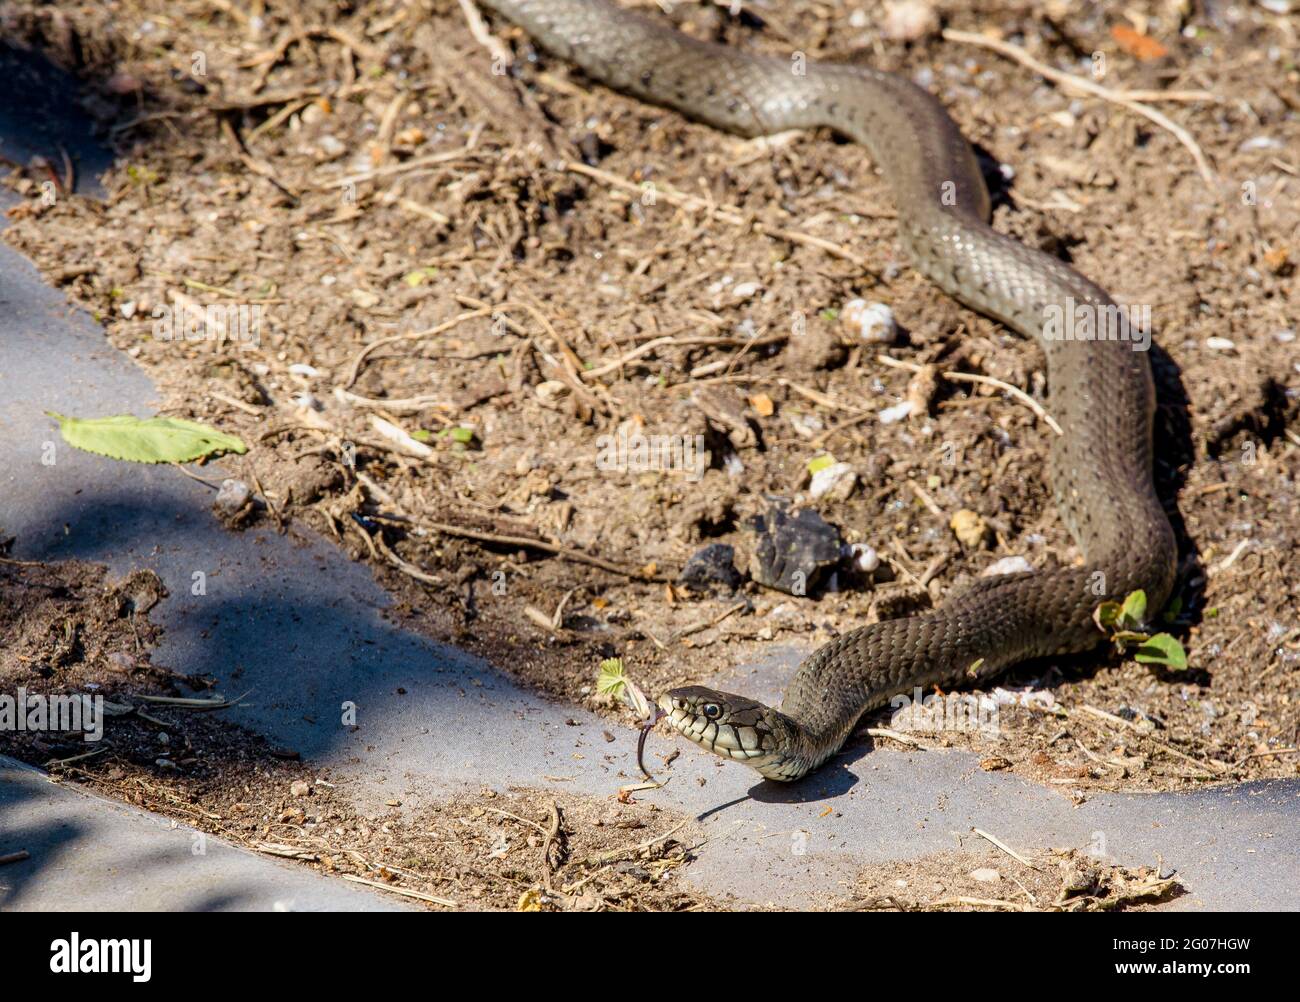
{"x":418,"y":895}
{"x":1088,"y":87}
{"x":1004,"y":847}
{"x":725,"y":215}
{"x":970,"y":377}
{"x":539,"y":544}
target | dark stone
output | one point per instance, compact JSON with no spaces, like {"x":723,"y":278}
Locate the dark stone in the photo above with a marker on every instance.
{"x":792,"y":553}
{"x":711,"y":566}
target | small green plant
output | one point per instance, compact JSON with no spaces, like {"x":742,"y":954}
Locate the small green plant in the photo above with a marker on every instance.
{"x":141,"y":175}
{"x":611,"y":678}
{"x":460,"y":436}
{"x":1125,"y":623}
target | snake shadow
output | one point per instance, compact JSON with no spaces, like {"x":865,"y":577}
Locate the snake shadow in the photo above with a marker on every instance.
{"x":832,"y":780}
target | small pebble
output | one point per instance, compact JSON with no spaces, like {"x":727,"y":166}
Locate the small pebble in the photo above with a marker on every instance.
{"x":299,"y":788}
{"x":232,"y":496}
{"x":551,"y":390}
{"x":121,"y":661}
{"x":864,"y":558}
{"x":1007,"y":565}
{"x":872,"y":322}
{"x":1220,"y":344}
{"x":890,"y":415}
{"x":834,"y":482}
{"x":969,"y":527}
{"x":908,"y":20}
{"x":985,"y":875}
{"x":331,"y":146}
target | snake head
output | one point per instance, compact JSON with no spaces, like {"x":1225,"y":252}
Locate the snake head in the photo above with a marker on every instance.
{"x":735,"y":727}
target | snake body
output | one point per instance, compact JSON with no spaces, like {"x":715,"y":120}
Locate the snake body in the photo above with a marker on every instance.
{"x":1101,"y":391}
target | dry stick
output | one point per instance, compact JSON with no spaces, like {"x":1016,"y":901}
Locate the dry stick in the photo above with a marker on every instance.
{"x":551,"y":835}
{"x":288,"y":111}
{"x":236,"y":403}
{"x":573,"y":367}
{"x":398,"y":405}
{"x":258,"y":167}
{"x":704,"y":624}
{"x":830,"y":433}
{"x":1021,"y":395}
{"x":1264,"y":754}
{"x":536,"y":544}
{"x":21,"y":563}
{"x":1004,"y":847}
{"x":970,"y":377}
{"x":410,"y":570}
{"x":14,"y":857}
{"x":419,"y":895}
{"x":479,"y":29}
{"x":979,"y":903}
{"x":1208,"y":766}
{"x":672,"y":341}
{"x":893,"y":735}
{"x":614,"y":854}
{"x":726,"y":215}
{"x":355,"y":368}
{"x":1077,"y":83}
{"x":404,"y":167}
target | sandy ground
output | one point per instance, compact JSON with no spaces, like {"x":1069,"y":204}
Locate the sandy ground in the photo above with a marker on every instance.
{"x":510,"y":267}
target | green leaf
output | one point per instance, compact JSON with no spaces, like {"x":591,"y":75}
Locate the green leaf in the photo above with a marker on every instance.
{"x":146,"y":440}
{"x":1175,"y":607}
{"x":462,"y":435}
{"x":421,"y":435}
{"x":1162,"y":649}
{"x":821,"y":462}
{"x":1134,"y":611}
{"x":611,"y":677}
{"x":1106,"y":615}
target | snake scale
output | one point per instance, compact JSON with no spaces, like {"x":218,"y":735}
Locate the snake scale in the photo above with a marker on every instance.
{"x":1101,"y":391}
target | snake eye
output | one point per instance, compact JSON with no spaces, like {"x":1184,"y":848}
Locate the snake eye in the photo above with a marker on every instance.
{"x":712,"y":710}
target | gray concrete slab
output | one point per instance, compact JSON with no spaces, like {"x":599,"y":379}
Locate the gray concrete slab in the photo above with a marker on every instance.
{"x":92,"y":854}
{"x":291,"y":618}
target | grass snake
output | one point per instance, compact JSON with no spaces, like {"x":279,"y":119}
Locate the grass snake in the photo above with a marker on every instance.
{"x":1101,"y":391}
